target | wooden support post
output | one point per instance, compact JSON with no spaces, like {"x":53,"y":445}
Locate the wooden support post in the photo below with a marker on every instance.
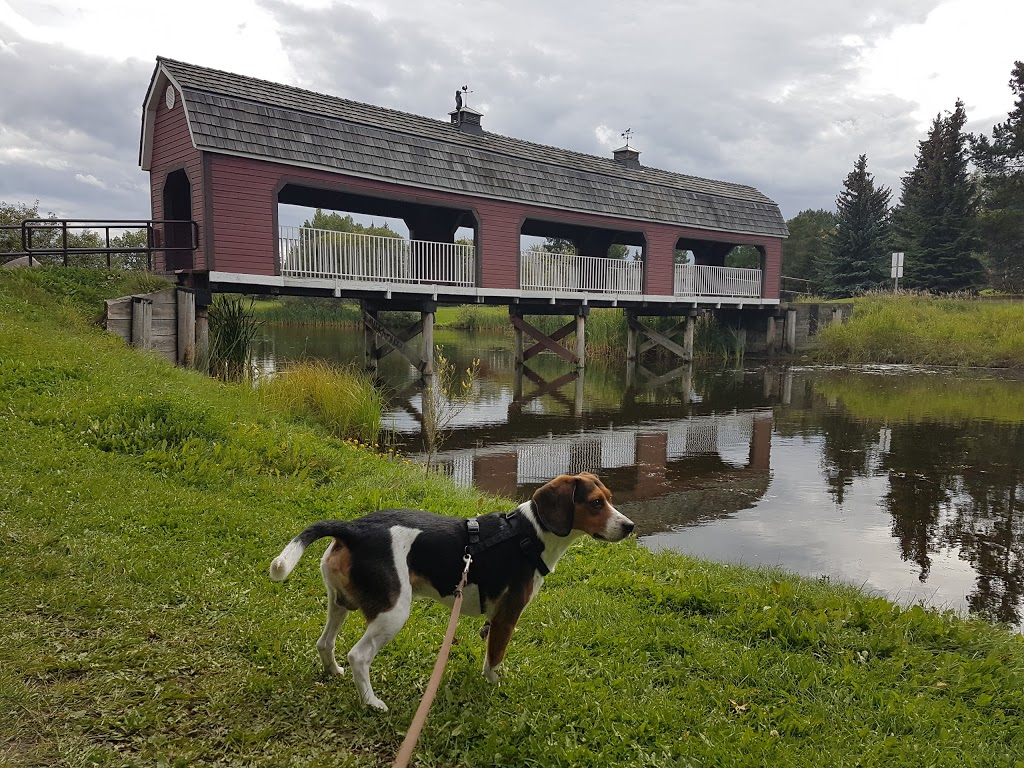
{"x":142,"y":322}
{"x":381,"y":341}
{"x":770,"y":336}
{"x":790,"y":331}
{"x":427,"y":321}
{"x":577,"y":401}
{"x":581,"y":347}
{"x":632,"y":338}
{"x":517,"y":334}
{"x":837,"y":316}
{"x":691,"y":324}
{"x":370,"y":356}
{"x":203,"y":338}
{"x":741,"y":343}
{"x":186,"y":327}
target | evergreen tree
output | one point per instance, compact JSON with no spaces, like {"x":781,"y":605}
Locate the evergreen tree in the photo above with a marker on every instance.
{"x":1001,"y":219}
{"x":936,"y":223}
{"x":859,"y":250}
{"x":805,"y":251}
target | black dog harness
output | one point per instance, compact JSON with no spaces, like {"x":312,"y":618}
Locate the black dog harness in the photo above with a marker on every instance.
{"x":511,"y":525}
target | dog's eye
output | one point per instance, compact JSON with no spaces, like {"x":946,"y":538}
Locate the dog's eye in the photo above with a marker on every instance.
{"x":597,"y":503}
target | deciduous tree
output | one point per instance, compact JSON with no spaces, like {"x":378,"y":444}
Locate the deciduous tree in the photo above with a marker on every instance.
{"x":805,"y":251}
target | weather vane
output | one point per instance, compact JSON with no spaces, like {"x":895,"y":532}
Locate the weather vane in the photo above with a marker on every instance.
{"x":459,"y":94}
{"x":627,"y":135}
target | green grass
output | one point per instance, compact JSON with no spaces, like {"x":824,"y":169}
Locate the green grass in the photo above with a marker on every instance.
{"x":928,"y":331}
{"x":342,"y":400}
{"x":140,"y":506}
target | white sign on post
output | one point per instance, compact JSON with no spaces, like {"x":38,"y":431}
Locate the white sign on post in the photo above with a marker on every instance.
{"x":897,"y":268}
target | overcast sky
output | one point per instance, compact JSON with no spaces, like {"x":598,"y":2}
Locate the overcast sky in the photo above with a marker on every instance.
{"x":781,"y":95}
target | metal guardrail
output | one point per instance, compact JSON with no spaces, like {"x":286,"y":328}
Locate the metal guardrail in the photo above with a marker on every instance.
{"x":705,"y":280}
{"x":328,"y":254}
{"x":42,"y":238}
{"x":547,"y":271}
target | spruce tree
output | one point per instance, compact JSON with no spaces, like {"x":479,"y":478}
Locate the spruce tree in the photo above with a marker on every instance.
{"x":1000,"y":163}
{"x":936,"y":222}
{"x":859,"y":249}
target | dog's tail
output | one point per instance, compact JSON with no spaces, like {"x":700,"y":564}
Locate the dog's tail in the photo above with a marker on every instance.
{"x":284,"y":563}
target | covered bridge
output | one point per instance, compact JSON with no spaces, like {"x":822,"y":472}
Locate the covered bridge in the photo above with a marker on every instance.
{"x":225,"y":150}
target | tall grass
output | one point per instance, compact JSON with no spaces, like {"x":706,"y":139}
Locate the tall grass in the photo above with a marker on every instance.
{"x":928,"y":330}
{"x":233,"y":330}
{"x":342,"y":400}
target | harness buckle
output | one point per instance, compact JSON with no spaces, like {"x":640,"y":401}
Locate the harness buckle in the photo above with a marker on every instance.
{"x":473,"y":529}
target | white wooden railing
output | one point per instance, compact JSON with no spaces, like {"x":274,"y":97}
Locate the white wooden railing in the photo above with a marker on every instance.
{"x":323,"y":253}
{"x":544,"y":271}
{"x":703,"y":280}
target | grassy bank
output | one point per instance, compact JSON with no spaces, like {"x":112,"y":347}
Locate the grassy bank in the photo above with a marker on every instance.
{"x":926,"y":330}
{"x":140,"y":506}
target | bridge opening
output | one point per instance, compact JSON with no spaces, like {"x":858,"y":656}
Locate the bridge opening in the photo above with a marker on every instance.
{"x":178,"y":208}
{"x":569,"y":257}
{"x":332,"y":233}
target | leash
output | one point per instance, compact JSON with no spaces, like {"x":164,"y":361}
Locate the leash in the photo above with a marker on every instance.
{"x":413,"y":734}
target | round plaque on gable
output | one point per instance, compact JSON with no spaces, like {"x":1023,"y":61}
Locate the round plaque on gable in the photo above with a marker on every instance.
{"x":169,"y":97}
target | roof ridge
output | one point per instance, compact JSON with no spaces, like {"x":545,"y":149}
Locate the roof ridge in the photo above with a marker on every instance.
{"x":611,"y":168}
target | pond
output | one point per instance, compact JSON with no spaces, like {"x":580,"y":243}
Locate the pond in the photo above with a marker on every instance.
{"x":906,"y":481}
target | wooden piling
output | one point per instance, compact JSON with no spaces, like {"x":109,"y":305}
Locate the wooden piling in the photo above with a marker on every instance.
{"x":186,"y":341}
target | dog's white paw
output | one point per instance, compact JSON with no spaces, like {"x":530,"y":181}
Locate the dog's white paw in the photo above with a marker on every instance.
{"x":334,"y":669}
{"x":489,"y":673}
{"x":377,"y":704}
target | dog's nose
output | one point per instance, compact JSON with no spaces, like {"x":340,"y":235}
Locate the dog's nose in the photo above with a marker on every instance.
{"x":628,"y":527}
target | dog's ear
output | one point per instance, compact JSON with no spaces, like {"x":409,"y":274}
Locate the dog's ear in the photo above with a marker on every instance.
{"x":556,"y":504}
{"x":587,"y":482}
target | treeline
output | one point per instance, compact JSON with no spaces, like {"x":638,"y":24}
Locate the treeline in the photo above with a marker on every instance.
{"x":48,"y":235}
{"x":959,"y":219}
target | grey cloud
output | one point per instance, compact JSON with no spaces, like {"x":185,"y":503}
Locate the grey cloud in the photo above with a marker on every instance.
{"x":69,"y":130}
{"x":752,"y":92}
{"x":744,"y":91}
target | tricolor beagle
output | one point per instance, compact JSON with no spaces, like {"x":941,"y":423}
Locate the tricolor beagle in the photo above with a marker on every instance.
{"x":379,"y":562}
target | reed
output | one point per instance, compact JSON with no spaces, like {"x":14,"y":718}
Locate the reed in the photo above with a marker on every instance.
{"x":342,"y":400}
{"x":233,"y":330}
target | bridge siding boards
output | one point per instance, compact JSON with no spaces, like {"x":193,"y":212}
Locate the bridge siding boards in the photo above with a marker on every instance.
{"x":246,"y":238}
{"x":173,"y":150}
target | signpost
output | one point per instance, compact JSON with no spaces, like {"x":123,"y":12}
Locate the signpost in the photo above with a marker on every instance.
{"x":897,"y":269}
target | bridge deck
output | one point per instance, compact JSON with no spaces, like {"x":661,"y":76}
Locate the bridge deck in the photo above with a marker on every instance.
{"x":349,"y":264}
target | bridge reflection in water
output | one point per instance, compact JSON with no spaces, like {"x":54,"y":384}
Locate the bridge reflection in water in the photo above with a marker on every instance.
{"x":664,"y":470}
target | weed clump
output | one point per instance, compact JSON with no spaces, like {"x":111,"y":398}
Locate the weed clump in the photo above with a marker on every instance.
{"x":342,"y":400}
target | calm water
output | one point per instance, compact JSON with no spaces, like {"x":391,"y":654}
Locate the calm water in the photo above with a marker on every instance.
{"x":909,"y":482}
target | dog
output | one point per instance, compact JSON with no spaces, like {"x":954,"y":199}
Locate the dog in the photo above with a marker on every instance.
{"x":378,"y":563}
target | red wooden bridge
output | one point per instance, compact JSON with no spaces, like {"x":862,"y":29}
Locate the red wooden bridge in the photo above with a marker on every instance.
{"x":224,"y":151}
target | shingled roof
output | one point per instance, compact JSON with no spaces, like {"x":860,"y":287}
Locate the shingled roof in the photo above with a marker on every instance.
{"x":239,"y":115}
